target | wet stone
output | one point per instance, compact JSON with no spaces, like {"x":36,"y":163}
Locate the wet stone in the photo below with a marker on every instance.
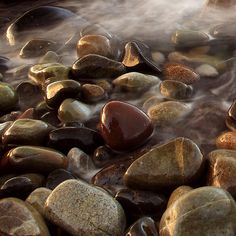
{"x":202,"y":211}
{"x":64,"y":139}
{"x":31,"y":158}
{"x":37,"y":180}
{"x":58,"y":91}
{"x":51,"y":118}
{"x":37,"y":48}
{"x":124,"y":132}
{"x":167,"y":113}
{"x":144,"y":226}
{"x":20,"y":218}
{"x":96,"y":212}
{"x":226,"y":140}
{"x":96,"y":66}
{"x":180,"y":72}
{"x":4,"y":178}
{"x":175,"y":89}
{"x":26,"y":132}
{"x":72,"y":110}
{"x":105,"y":84}
{"x":92,"y":93}
{"x":232,"y":111}
{"x":135,"y":81}
{"x":208,"y":71}
{"x":10,"y":116}
{"x":177,"y":162}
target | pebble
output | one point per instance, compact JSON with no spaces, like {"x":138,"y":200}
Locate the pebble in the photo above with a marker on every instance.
{"x":92,"y":93}
{"x":49,"y":57}
{"x":202,"y":211}
{"x":158,"y":57}
{"x":179,"y":162}
{"x":124,"y":132}
{"x":20,"y":218}
{"x":206,"y":70}
{"x":96,"y":212}
{"x":226,"y":140}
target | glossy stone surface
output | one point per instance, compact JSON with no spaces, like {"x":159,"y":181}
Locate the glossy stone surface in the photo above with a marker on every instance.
{"x":226,"y":140}
{"x":174,"y":163}
{"x":20,"y":218}
{"x":96,"y":66}
{"x":96,"y":212}
{"x":92,"y":93}
{"x":35,"y":159}
{"x":124,"y":132}
{"x":202,"y":211}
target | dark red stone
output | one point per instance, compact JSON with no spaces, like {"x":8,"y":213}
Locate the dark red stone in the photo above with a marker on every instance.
{"x":124,"y":126}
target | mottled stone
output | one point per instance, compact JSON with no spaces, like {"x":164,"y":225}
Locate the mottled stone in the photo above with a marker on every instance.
{"x":124,"y":132}
{"x":96,"y":212}
{"x":202,"y":211}
{"x":226,"y":140}
{"x":206,"y":70}
{"x":20,"y":218}
{"x":92,"y":93}
{"x":174,"y":163}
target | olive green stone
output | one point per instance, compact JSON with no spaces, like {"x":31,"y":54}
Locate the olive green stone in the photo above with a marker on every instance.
{"x":8,"y":97}
{"x":178,"y":162}
{"x":72,"y":110}
{"x":202,"y":211}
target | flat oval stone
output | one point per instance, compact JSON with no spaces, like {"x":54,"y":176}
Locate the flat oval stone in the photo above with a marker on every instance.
{"x":31,"y":158}
{"x":226,"y":140}
{"x":124,"y":132}
{"x":135,"y":81}
{"x":92,"y":93}
{"x":177,"y":162}
{"x":64,"y":139}
{"x":20,"y":218}
{"x":202,"y":211}
{"x":96,"y":212}
{"x":72,"y":110}
{"x":206,"y":70}
{"x":26,"y":132}
{"x":96,"y":66}
{"x":179,"y":72}
{"x":8,"y":97}
{"x":58,"y":91}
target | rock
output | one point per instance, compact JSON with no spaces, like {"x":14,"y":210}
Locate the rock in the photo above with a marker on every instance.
{"x":38,"y":198}
{"x":96,"y":212}
{"x":175,"y":89}
{"x":225,"y":30}
{"x":49,"y":57}
{"x":124,"y":132}
{"x":92,"y":93}
{"x":167,"y":113}
{"x":8,"y":97}
{"x":179,"y":72}
{"x":96,"y":66}
{"x":31,"y":158}
{"x":105,"y":84}
{"x":135,"y":81}
{"x":158,"y":57}
{"x":177,"y":162}
{"x":202,"y":211}
{"x":226,"y":140}
{"x":51,"y":118}
{"x":72,"y":110}
{"x":26,"y":132}
{"x":20,"y":218}
{"x":58,"y":91}
{"x":206,"y":70}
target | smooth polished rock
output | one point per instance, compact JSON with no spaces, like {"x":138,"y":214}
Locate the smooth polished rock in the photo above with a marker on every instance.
{"x":92,"y":93}
{"x":124,"y":132}
{"x":96,"y":212}
{"x":226,"y":140}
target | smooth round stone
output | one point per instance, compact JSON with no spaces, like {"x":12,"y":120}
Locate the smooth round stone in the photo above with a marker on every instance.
{"x":144,"y":226}
{"x":38,"y":198}
{"x":179,"y":72}
{"x":167,"y":113}
{"x":92,"y":93}
{"x":4,"y":178}
{"x":225,"y":30}
{"x":58,"y":91}
{"x":51,"y":118}
{"x":26,"y":132}
{"x":37,"y":48}
{"x":35,"y":159}
{"x":37,"y":180}
{"x":64,"y":139}
{"x":232,"y":111}
{"x":222,"y":170}
{"x":202,"y":211}
{"x":96,"y":66}
{"x":57,"y":177}
{"x":177,"y":193}
{"x":39,"y":73}
{"x":135,"y":81}
{"x":175,"y":89}
{"x":96,"y":212}
{"x":158,"y":57}
{"x":8,"y":97}
{"x":50,"y":57}
{"x":177,"y":162}
{"x":208,"y":71}
{"x":80,"y":164}
{"x":3,"y":64}
{"x":42,"y":108}
{"x":226,"y":140}
{"x":72,"y":110}
{"x":137,"y":203}
{"x":124,"y":132}
{"x":20,"y":218}
{"x":151,"y":101}
{"x":94,"y":44}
